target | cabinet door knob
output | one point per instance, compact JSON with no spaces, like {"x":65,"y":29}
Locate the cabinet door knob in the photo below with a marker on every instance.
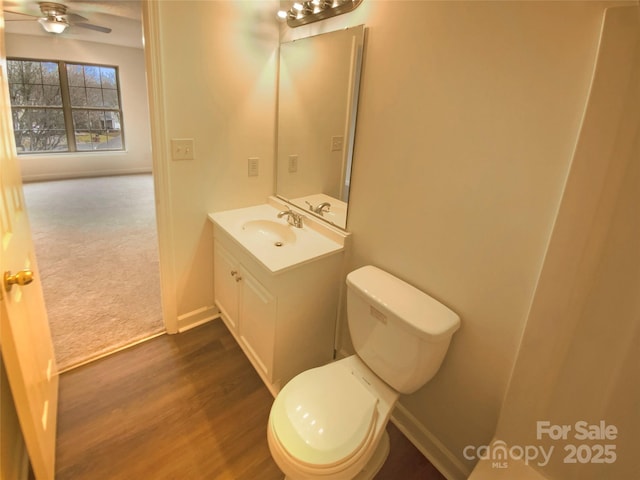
{"x":234,"y":273}
{"x":238,"y":279}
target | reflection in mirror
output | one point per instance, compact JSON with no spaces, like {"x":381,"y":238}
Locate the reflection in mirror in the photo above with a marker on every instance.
{"x":318,"y":97}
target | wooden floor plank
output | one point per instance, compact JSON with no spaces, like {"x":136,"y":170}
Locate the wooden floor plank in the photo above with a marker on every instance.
{"x":187,"y":406}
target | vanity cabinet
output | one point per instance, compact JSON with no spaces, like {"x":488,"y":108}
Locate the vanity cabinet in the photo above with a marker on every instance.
{"x":246,"y":306}
{"x":284,"y":322}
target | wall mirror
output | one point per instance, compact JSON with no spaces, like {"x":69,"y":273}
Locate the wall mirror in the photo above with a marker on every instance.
{"x":318,"y":97}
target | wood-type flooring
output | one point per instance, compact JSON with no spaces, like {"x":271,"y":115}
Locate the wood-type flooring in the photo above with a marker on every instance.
{"x":187,"y":406}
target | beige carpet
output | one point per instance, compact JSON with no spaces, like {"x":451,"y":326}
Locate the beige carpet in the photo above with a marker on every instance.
{"x":96,"y":245}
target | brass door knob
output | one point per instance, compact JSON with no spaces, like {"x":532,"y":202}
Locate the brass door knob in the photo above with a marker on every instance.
{"x":23,"y":277}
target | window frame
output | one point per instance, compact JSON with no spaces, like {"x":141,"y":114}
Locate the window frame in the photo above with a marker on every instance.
{"x":68,"y":109}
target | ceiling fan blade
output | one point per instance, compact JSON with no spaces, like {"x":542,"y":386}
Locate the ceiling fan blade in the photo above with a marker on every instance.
{"x":90,"y":26}
{"x":75,"y":18}
{"x":31,"y":17}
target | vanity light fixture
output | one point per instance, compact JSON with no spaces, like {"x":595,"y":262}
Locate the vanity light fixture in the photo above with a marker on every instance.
{"x":310,"y":11}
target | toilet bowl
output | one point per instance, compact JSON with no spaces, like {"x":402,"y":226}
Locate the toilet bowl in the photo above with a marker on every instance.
{"x":329,"y":422}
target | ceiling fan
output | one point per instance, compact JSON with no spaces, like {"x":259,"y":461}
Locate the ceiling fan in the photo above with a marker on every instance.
{"x":55,"y":19}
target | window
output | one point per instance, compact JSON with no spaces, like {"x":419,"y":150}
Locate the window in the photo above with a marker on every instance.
{"x":64,"y":107}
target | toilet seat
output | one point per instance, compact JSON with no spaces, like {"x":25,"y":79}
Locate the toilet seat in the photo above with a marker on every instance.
{"x":324,"y":419}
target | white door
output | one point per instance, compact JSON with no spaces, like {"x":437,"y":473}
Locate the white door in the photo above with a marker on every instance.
{"x":25,"y":340}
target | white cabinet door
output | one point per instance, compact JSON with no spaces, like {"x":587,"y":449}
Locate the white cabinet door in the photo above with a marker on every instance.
{"x":258,"y":321}
{"x":226,"y":275}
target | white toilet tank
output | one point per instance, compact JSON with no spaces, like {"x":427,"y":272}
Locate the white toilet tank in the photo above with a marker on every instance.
{"x":401,"y":333}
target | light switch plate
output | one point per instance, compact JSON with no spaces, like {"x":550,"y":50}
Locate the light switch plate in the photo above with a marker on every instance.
{"x":253,"y":166}
{"x":182,"y":149}
{"x":293,"y":163}
{"x":336,"y":143}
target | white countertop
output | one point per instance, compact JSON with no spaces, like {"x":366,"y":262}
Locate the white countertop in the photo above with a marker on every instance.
{"x":302,"y":245}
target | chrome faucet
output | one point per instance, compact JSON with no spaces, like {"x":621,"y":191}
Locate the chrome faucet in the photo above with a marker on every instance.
{"x":293,"y":218}
{"x":320,"y":208}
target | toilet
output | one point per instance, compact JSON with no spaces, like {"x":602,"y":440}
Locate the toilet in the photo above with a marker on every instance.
{"x":330,"y":422}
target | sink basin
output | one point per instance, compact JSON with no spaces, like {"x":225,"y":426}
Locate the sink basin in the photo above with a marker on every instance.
{"x":271,"y":231}
{"x":274,"y":243}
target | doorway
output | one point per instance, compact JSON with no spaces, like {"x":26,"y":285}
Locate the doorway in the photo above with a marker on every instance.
{"x":95,"y":237}
{"x":97,"y":249}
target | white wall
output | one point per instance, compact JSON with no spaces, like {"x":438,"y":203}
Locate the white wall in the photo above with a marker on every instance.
{"x":469,"y":114}
{"x":580,"y":355}
{"x":219,"y":65}
{"x":135,"y":111}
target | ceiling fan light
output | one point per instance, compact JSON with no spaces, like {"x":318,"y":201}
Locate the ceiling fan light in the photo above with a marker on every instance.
{"x":53,"y":25}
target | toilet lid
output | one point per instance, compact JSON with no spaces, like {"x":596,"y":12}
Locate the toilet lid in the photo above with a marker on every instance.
{"x":324,"y":415}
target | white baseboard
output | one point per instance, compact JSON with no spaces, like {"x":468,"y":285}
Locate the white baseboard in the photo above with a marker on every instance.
{"x":196,"y":318}
{"x":45,"y":177}
{"x":427,"y":443}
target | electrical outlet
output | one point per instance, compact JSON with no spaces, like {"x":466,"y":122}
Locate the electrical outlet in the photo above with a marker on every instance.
{"x":252,"y":165}
{"x":293,"y":163}
{"x":182,"y":149}
{"x":336,"y":143}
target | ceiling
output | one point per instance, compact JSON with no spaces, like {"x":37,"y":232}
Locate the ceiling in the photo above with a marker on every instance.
{"x":122,"y":16}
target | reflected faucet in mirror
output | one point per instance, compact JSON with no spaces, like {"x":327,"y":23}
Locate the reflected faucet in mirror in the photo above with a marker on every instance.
{"x":317,"y":103}
{"x":320,"y":208}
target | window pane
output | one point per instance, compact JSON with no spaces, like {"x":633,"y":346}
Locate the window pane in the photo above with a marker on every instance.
{"x":50,"y":75}
{"x":31,"y":72}
{"x":81,"y":120}
{"x":108,"y":76}
{"x":20,"y":120}
{"x":83,"y":141}
{"x":82,"y":129}
{"x":92,"y":76}
{"x":39,"y":130}
{"x":88,"y":129}
{"x":91,"y":140}
{"x":17,"y":94}
{"x":112,"y":120}
{"x":115,"y":140}
{"x":96,"y":120}
{"x":75,"y":74}
{"x":28,"y":89}
{"x":52,"y":95}
{"x":14,"y":71}
{"x":94,"y":97}
{"x":35,"y":95}
{"x":114,"y":134}
{"x":78,"y":96}
{"x":110,"y":98}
